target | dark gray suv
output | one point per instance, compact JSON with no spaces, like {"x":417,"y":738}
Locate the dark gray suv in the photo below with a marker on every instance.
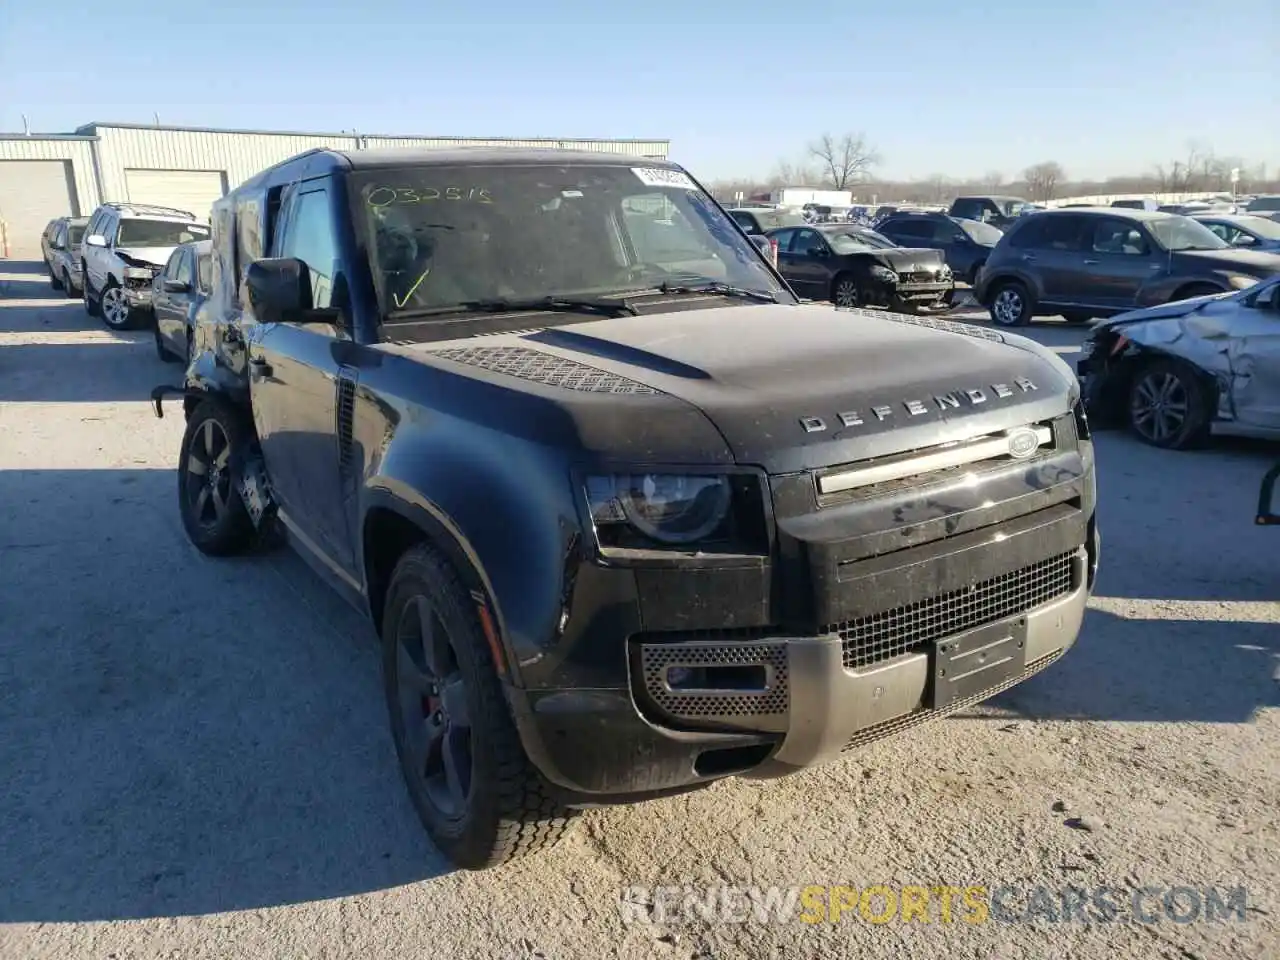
{"x":1097,"y":262}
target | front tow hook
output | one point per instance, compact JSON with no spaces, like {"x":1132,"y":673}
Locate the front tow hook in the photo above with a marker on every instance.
{"x":159,"y":393}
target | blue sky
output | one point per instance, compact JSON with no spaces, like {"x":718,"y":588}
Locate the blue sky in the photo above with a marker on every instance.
{"x":938,"y":87}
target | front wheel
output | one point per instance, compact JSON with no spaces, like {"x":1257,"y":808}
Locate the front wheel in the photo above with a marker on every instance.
{"x":475,"y":791}
{"x":1011,"y":305}
{"x":1169,"y":406}
{"x":91,"y":305}
{"x":845,"y":292}
{"x":54,"y":280}
{"x":209,"y":463}
{"x":116,"y":312}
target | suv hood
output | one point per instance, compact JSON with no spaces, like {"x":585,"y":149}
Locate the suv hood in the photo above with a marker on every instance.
{"x":146,"y":256}
{"x":775,"y":379}
{"x":1258,"y":263}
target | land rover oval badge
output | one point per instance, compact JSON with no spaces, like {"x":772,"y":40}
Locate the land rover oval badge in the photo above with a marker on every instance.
{"x":1023,"y":443}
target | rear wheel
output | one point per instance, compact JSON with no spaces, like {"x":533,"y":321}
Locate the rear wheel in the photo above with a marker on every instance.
{"x":1169,"y":405}
{"x":91,"y":305}
{"x":209,"y":464}
{"x":54,"y":280}
{"x":1011,"y":304}
{"x":1195,"y":290}
{"x":67,"y":285}
{"x":475,"y":791}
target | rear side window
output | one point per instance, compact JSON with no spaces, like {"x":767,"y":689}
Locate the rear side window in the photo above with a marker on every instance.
{"x":907,"y":228}
{"x":1049,"y":233}
{"x":783,"y":238}
{"x":1118,"y":237}
{"x":970,"y":209}
{"x":746,"y":221}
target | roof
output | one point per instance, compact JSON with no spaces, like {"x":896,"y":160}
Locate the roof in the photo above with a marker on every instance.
{"x":94,"y":125}
{"x":990,"y":196}
{"x":1127,"y":213}
{"x":436,"y":156}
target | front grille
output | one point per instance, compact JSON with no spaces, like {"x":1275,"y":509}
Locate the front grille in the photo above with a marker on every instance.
{"x":892,"y":633}
{"x":888,"y":728}
{"x":655,"y":658}
{"x":919,"y":276}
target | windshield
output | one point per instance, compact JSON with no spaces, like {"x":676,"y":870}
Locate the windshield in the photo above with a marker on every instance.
{"x":853,"y":241}
{"x":982,"y":233}
{"x":1015,"y":208}
{"x":1263,"y":203}
{"x":444,"y":236}
{"x":1183,"y":233}
{"x":1267,"y":229}
{"x":75,"y":233}
{"x":159,"y":233}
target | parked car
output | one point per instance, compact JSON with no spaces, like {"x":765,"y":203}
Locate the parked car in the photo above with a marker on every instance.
{"x":125,"y":246}
{"x":1264,"y":206}
{"x":1145,"y":203}
{"x":852,"y":267}
{"x":177,"y":293}
{"x":999,"y":212}
{"x":1177,"y":373}
{"x":756,"y":221}
{"x":965,"y":243}
{"x":1244,"y":230}
{"x":46,"y":241}
{"x":1097,"y":263}
{"x":65,"y":256}
{"x":442,"y":353}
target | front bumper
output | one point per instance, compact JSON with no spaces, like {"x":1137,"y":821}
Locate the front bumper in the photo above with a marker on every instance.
{"x":138,"y":297}
{"x":611,"y":745}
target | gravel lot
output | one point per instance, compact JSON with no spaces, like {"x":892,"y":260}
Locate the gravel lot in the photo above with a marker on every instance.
{"x":197,"y":761}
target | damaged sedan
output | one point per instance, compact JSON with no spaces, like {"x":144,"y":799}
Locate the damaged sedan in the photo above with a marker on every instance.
{"x":1179,"y":372}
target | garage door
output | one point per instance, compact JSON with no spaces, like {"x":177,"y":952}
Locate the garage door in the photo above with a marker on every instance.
{"x":193,"y":190}
{"x":33,"y":192}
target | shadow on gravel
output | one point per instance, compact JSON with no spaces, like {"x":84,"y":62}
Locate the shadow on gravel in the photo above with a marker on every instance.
{"x":1171,"y":671}
{"x":181,"y":735}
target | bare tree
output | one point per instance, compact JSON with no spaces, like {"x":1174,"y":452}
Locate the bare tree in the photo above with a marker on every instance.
{"x":937,"y":188}
{"x":845,"y":160}
{"x":788,"y":174}
{"x":992,"y":180}
{"x":1043,"y":178}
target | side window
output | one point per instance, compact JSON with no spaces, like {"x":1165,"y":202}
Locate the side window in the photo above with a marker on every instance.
{"x":308,"y":235}
{"x":1112,"y":236}
{"x":185,"y":273}
{"x":746,"y":221}
{"x":223,"y":272}
{"x":945,"y":231}
{"x":204,"y":272}
{"x":249,"y":245}
{"x":92,"y":226}
{"x":1061,"y":233}
{"x":172,"y":265}
{"x":908,"y":228}
{"x":807,"y":241}
{"x":110,"y":226}
{"x":969,"y":209}
{"x":1029,"y":235}
{"x":784,"y":239}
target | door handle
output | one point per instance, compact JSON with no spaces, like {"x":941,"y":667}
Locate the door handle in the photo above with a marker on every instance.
{"x":259,"y":369}
{"x":1090,"y":263}
{"x":1028,"y":258}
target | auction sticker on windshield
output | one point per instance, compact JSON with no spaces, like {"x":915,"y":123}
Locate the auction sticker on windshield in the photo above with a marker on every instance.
{"x":662,"y":177}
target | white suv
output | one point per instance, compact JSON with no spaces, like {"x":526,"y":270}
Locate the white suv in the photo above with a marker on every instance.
{"x":125,"y":246}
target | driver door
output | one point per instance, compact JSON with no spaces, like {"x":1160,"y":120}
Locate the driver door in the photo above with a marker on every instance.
{"x":808,"y":264}
{"x":295,"y":378}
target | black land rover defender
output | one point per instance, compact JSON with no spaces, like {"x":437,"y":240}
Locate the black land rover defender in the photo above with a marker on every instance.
{"x":627,"y":516}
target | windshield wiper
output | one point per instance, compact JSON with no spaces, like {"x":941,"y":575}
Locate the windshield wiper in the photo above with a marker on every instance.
{"x":723,"y":289}
{"x":600,"y":305}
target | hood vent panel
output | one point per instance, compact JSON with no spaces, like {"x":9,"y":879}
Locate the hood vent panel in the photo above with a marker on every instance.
{"x":545,"y":368}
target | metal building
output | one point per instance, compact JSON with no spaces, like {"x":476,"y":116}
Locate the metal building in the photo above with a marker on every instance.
{"x":43,"y":176}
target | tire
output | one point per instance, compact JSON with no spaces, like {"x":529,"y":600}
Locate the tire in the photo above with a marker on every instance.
{"x":217,"y":531}
{"x":845,"y":291}
{"x":1011,"y":304}
{"x":1168,"y":405}
{"x":91,"y":305}
{"x":1195,"y":290}
{"x":164,"y":353}
{"x":67,"y":285}
{"x":54,"y":280}
{"x":115,"y":310}
{"x":495,"y":807}
{"x":972,"y":279}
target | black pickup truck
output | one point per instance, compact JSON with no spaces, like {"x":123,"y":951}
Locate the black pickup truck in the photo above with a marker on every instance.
{"x":627,"y":517}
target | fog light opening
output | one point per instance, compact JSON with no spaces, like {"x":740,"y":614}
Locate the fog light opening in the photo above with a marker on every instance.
{"x":728,"y":760}
{"x":735,"y":677}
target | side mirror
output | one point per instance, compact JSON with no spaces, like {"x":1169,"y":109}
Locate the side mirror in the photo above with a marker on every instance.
{"x":278,"y":289}
{"x":1244,"y":240}
{"x":95,"y":240}
{"x":177,"y":286}
{"x":819,"y":252}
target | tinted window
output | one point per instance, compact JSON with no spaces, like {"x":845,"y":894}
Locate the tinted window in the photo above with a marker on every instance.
{"x":1113,"y":236}
{"x":308,"y":235}
{"x":807,"y":241}
{"x":249,"y":245}
{"x":907,"y":228}
{"x":204,"y":272}
{"x":1049,"y":233}
{"x":746,"y":220}
{"x":75,"y":233}
{"x":171,"y":265}
{"x":967,"y":208}
{"x":1263,"y":203}
{"x":945,"y":231}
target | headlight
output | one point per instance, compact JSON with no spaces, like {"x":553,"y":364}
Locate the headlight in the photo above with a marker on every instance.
{"x":884,"y":274}
{"x":1241,"y":283}
{"x":668,"y":508}
{"x":137,"y":273}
